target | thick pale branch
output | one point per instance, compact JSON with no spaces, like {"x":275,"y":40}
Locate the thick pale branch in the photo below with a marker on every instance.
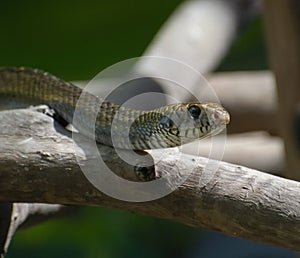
{"x":257,"y":150}
{"x":39,"y":164}
{"x":250,"y":98}
{"x":14,"y":215}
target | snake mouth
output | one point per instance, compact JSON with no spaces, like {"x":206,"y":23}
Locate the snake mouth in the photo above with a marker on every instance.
{"x":201,"y":132}
{"x":217,"y":113}
{"x":221,"y":116}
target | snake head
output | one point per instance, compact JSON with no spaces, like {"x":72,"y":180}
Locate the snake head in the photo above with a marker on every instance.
{"x":177,"y":124}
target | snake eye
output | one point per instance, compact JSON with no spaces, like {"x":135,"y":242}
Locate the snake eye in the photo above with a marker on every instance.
{"x":195,"y":111}
{"x":166,"y":122}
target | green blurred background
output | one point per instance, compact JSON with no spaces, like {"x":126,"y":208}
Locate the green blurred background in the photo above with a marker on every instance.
{"x":75,"y":40}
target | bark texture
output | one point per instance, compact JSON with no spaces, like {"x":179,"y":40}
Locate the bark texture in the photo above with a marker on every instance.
{"x":39,"y":164}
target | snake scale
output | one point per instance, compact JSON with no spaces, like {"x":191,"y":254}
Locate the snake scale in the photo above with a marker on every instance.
{"x":111,"y":124}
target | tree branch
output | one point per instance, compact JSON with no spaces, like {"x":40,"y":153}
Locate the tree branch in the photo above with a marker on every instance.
{"x":283,"y":38}
{"x":38,"y":164}
{"x":15,"y":215}
{"x":258,"y":150}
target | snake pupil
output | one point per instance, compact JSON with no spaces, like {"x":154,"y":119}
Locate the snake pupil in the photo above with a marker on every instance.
{"x":195,"y":111}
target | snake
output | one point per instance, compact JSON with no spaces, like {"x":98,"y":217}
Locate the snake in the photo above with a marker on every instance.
{"x":109,"y":123}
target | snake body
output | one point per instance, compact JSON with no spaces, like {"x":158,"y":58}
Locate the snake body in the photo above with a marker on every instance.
{"x":111,"y":124}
